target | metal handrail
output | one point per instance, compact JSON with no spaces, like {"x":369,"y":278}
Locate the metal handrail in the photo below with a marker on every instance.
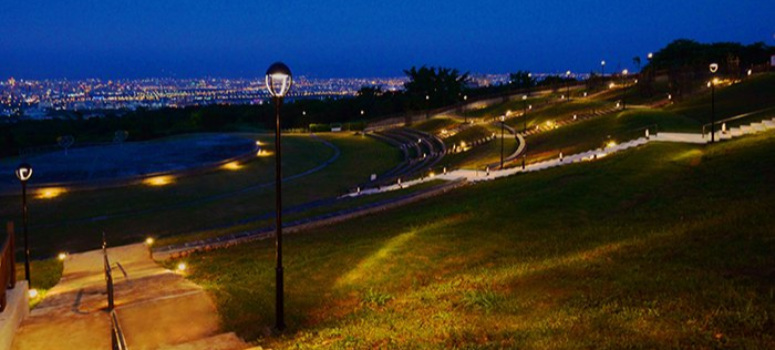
{"x":118,"y":341}
{"x":739,"y":116}
{"x":7,"y":266}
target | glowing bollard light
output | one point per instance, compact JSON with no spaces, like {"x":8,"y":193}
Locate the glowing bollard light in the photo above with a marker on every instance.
{"x":62,"y":256}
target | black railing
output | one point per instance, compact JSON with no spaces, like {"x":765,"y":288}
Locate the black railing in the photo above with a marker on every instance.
{"x":117,"y":334}
{"x":118,"y":341}
{"x":108,"y":273}
{"x":7,"y":266}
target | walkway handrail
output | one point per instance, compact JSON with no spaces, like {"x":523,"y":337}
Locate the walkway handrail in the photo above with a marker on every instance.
{"x":739,"y":116}
{"x":118,"y":341}
{"x":7,"y":266}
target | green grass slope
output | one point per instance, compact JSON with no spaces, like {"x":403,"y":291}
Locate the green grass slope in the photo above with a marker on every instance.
{"x":665,"y":246}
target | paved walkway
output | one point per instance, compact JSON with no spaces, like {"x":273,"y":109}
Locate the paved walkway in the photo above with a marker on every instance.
{"x":157,"y":308}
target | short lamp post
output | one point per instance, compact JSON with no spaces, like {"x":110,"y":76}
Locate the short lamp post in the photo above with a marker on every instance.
{"x":278,"y":82}
{"x":24,"y":173}
{"x":524,"y":129}
{"x":465,"y":116}
{"x":626,"y":89}
{"x":713,"y":69}
{"x":503,"y":123}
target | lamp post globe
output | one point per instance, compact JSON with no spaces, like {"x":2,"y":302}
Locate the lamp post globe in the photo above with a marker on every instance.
{"x":24,"y":173}
{"x":278,"y":83}
{"x":278,"y":79}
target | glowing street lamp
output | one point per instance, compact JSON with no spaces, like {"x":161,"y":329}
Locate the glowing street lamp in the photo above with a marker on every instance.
{"x":567,"y":84}
{"x":713,"y":69}
{"x":278,"y":82}
{"x":24,"y":173}
{"x":602,"y":69}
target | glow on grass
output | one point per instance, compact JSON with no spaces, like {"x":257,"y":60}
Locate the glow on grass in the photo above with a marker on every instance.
{"x":263,"y":153}
{"x":610,"y":144}
{"x":159,"y":180}
{"x":232,"y":166}
{"x":51,"y":192}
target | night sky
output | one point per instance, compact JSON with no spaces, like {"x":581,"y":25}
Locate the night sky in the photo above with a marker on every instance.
{"x":239,"y":38}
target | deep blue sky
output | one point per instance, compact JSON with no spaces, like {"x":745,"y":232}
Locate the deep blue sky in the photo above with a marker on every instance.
{"x":232,"y":38}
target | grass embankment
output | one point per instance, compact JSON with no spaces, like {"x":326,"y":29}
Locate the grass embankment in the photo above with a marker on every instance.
{"x":557,"y":111}
{"x":666,"y":246}
{"x":750,"y":95}
{"x":435,"y":125}
{"x":517,"y":105}
{"x":74,"y":221}
{"x":44,"y":274}
{"x":289,"y":217}
{"x":595,"y":133}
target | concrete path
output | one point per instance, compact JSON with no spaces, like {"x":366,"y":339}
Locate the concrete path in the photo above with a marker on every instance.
{"x":157,"y":308}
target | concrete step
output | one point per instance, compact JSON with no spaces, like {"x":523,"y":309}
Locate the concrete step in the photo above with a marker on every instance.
{"x":725,"y":136}
{"x":735,"y":132}
{"x":223,"y":341}
{"x":769,"y":124}
{"x":747,"y":129}
{"x":758,"y":127}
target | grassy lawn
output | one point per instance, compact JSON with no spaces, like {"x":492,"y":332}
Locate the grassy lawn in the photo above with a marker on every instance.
{"x":74,"y":221}
{"x":500,"y":109}
{"x":594,"y":133}
{"x":558,"y":111}
{"x":666,"y":246}
{"x":748,"y":96}
{"x":435,"y":125}
{"x":43,"y":273}
{"x":345,"y":204}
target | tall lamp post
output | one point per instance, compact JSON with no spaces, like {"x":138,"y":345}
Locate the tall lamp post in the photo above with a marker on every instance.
{"x":427,"y":106}
{"x":23,"y":173}
{"x":503,"y":123}
{"x":567,"y":85}
{"x":278,"y":82}
{"x":602,"y":70}
{"x":713,"y":69}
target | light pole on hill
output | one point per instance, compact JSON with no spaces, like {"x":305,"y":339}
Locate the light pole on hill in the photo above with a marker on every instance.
{"x":278,"y":82}
{"x":567,"y":85}
{"x":524,"y":129}
{"x":23,"y":173}
{"x":713,"y":69}
{"x":602,"y":70}
{"x":626,"y":89}
{"x":503,"y":123}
